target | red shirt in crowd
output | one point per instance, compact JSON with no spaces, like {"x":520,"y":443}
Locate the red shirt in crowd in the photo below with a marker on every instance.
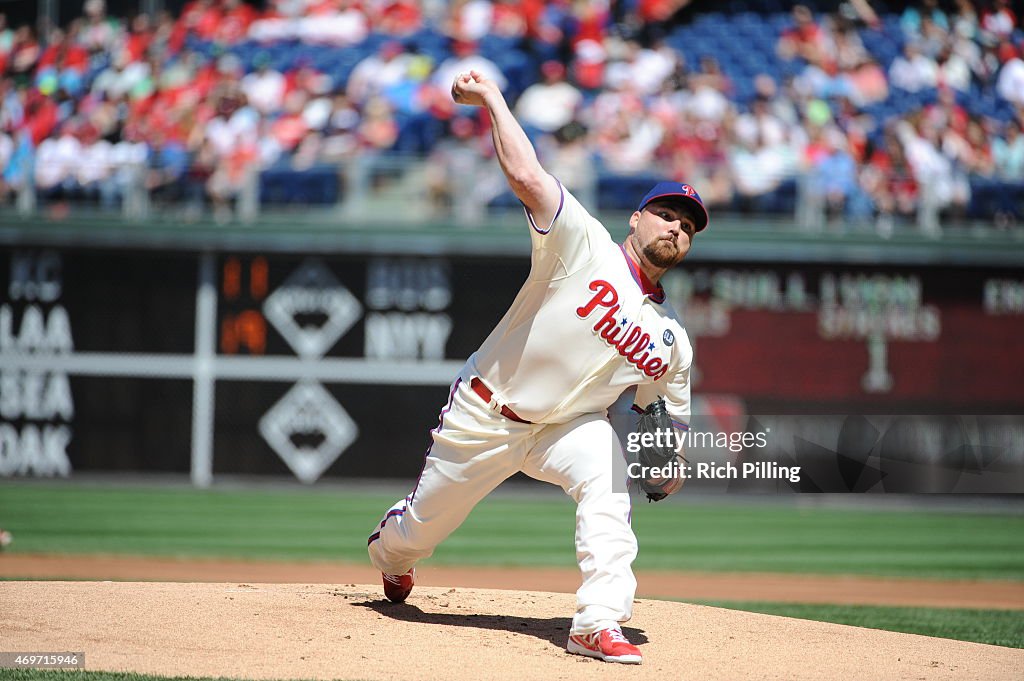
{"x":65,"y":56}
{"x":400,"y":17}
{"x":200,"y":17}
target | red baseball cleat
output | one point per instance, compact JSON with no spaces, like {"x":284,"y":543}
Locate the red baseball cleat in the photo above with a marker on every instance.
{"x":398,"y":587}
{"x":608,"y":645}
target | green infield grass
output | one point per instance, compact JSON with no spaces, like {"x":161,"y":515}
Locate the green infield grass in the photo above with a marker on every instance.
{"x":995,"y":627}
{"x":509,"y":530}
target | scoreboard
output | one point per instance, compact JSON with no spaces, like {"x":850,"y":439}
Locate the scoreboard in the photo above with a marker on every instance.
{"x":871,"y":339}
{"x":224,"y":363}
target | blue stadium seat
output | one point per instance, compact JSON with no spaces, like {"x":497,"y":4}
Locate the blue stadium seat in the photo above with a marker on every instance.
{"x":495,"y":46}
{"x":426,"y":38}
{"x":1004,"y":110}
{"x":992,"y":196}
{"x":781,"y":200}
{"x":283,"y":185}
{"x":519,"y":69}
{"x":715,"y":31}
{"x":374,"y":41}
{"x":747,"y":19}
{"x":417,"y":134}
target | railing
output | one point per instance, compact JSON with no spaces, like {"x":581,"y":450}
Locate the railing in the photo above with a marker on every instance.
{"x":469,"y":191}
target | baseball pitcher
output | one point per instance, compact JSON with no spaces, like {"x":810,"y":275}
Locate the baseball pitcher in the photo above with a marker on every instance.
{"x":590,"y":323}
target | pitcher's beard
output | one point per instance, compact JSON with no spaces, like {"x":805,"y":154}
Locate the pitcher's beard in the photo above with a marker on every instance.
{"x":663,"y":257}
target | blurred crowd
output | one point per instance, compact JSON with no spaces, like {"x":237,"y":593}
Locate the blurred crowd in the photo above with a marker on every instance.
{"x":189,"y":106}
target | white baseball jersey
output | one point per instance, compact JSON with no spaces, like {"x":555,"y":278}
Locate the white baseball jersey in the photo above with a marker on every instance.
{"x":586,"y":326}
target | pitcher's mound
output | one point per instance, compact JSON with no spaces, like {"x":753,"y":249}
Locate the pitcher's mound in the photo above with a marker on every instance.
{"x":295,"y":631}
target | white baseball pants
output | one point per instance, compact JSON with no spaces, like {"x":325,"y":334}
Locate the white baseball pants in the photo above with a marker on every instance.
{"x":474,"y":449}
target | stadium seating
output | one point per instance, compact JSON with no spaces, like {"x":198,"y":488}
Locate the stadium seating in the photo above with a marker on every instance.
{"x":742,"y":35}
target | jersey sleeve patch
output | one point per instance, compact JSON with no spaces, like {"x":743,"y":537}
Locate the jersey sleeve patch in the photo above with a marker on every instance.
{"x":561,"y":203}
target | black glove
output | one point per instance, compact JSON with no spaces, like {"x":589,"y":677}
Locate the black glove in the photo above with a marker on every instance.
{"x":656,"y":421}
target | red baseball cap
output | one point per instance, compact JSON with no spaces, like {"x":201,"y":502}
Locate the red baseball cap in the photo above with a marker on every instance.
{"x":675,"y":190}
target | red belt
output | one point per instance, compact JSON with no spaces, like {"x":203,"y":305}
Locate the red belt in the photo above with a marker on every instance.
{"x":485,"y":394}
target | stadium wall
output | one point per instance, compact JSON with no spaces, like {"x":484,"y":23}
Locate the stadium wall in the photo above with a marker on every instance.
{"x":319,"y":352}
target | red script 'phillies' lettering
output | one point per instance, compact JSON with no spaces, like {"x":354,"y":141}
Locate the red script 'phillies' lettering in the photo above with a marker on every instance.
{"x":631,"y":344}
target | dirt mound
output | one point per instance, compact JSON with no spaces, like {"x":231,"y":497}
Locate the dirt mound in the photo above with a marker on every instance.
{"x":739,"y":586}
{"x":288,"y":631}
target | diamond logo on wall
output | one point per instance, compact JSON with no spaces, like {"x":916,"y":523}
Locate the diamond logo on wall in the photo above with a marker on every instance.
{"x":308,"y":429}
{"x":310,"y":293}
